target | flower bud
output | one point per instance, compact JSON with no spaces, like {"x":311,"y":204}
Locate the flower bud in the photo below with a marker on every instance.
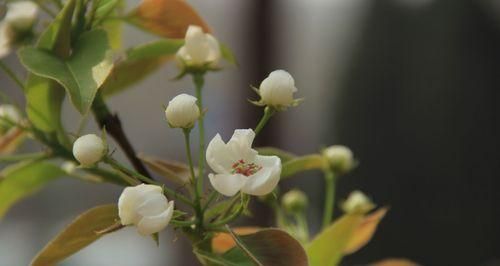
{"x":89,"y":149}
{"x":182,"y":111}
{"x":69,"y":167}
{"x":146,"y":207}
{"x":21,"y":15}
{"x":9,"y":115}
{"x":200,"y":50}
{"x":357,"y":202}
{"x":294,"y":201}
{"x":277,"y":89}
{"x":340,"y":158}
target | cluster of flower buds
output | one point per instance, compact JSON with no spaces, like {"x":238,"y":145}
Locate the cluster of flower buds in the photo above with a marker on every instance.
{"x":17,"y":22}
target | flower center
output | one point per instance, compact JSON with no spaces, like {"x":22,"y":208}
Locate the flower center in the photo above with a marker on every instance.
{"x":246,"y":169}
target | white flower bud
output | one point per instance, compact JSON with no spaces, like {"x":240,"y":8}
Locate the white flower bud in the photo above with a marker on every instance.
{"x":340,"y":158}
{"x":357,"y":202}
{"x":200,"y":49}
{"x":277,"y":89}
{"x":146,"y":207}
{"x":294,"y":201}
{"x":69,"y":167}
{"x":182,"y":111}
{"x":89,"y":149}
{"x":9,"y":112}
{"x":21,"y":15}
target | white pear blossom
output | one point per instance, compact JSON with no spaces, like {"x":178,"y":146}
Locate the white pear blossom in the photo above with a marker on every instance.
{"x":340,"y":158}
{"x":357,"y":202}
{"x":238,"y":167}
{"x":200,"y":49}
{"x":146,"y":207}
{"x":89,"y":149}
{"x":277,"y":89}
{"x":21,"y":14}
{"x":11,"y":113}
{"x":182,"y":111}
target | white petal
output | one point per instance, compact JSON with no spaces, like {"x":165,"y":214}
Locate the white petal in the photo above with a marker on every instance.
{"x":153,"y":204}
{"x":21,"y":14}
{"x":265,"y":180}
{"x":219,"y":157}
{"x":227,"y":184}
{"x":153,"y":224}
{"x":214,"y":50}
{"x":241,"y":145}
{"x":127,"y":204}
{"x":5,"y":39}
{"x":278,"y":88}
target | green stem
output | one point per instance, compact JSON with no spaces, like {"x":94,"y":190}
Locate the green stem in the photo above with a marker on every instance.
{"x":211,"y":198}
{"x":197,"y":200}
{"x":268,"y":113}
{"x":46,"y":9}
{"x":198,"y":80}
{"x":11,"y":74}
{"x":228,"y":219}
{"x":146,"y":180}
{"x":329,"y":197}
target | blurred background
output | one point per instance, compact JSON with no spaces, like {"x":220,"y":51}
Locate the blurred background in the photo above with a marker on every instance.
{"x":411,"y":86}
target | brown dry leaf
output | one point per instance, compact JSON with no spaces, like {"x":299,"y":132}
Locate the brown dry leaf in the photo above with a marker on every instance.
{"x":167,"y":18}
{"x":174,"y":171}
{"x":364,"y":232}
{"x":223,"y":242}
{"x":394,"y":262}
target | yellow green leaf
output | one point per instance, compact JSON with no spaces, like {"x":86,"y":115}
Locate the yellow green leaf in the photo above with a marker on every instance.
{"x":85,"y":229}
{"x":364,"y":232}
{"x":23,"y":179}
{"x":303,"y":163}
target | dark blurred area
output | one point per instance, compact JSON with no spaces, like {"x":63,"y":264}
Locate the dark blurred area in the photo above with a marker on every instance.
{"x":411,"y":86}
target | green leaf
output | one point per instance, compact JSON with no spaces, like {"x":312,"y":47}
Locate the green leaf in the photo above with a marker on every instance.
{"x":303,"y":163}
{"x":269,"y":247}
{"x":24,"y":179}
{"x":269,"y":151}
{"x":228,"y":54}
{"x":85,"y":229}
{"x":139,"y":62}
{"x":43,"y":96}
{"x":327,"y":248}
{"x":81,"y":74}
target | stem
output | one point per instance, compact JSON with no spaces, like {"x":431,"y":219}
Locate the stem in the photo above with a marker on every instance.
{"x":242,"y":247}
{"x":11,"y":74}
{"x":329,"y":197}
{"x":211,"y":198}
{"x":22,"y":157}
{"x":199,"y":81}
{"x":112,"y":124}
{"x":145,"y":179}
{"x":197,"y":204}
{"x":46,"y":9}
{"x":229,"y":218}
{"x":268,"y":113}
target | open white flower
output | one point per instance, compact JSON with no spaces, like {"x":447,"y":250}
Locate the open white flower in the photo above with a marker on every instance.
{"x":21,"y":14}
{"x":239,"y":167}
{"x":357,"y":202}
{"x":146,"y":207}
{"x":89,"y":149}
{"x":277,"y":89}
{"x":182,"y":111}
{"x":200,"y":49}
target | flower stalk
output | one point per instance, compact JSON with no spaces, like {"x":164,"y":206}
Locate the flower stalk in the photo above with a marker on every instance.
{"x":329,"y":197}
{"x":268,"y":113}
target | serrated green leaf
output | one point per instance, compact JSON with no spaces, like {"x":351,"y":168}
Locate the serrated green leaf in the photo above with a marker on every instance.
{"x":23,"y":179}
{"x":81,"y":74}
{"x":83,"y":231}
{"x":303,"y":163}
{"x":139,"y":62}
{"x":43,"y":96}
{"x":327,"y":248}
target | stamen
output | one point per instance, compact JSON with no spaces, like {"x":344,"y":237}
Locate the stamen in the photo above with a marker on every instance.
{"x":240,"y":167}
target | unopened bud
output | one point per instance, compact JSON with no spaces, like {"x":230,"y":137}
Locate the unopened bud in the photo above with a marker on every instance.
{"x":340,"y":158}
{"x":182,"y":111}
{"x":294,"y":201}
{"x":89,"y":149}
{"x":357,"y":202}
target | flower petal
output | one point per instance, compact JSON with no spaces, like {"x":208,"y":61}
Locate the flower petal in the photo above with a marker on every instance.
{"x":227,"y":184}
{"x":219,"y":157}
{"x":153,"y":224}
{"x":126,"y":206}
{"x":153,"y":204}
{"x":265,"y":180}
{"x":241,"y":144}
